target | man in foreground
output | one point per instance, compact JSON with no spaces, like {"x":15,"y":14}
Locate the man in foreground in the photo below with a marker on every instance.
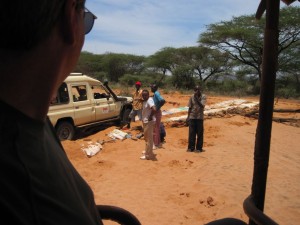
{"x":40,"y":43}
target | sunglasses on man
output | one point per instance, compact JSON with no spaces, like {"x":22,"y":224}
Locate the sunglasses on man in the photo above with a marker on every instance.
{"x":89,"y":19}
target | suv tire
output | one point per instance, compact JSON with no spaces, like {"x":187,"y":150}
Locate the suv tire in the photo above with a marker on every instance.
{"x":125,"y":116}
{"x":65,"y":130}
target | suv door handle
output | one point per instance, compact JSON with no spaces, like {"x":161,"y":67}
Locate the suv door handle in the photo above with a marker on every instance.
{"x":96,"y":102}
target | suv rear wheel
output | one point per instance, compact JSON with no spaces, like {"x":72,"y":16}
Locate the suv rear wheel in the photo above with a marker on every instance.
{"x":65,"y":130}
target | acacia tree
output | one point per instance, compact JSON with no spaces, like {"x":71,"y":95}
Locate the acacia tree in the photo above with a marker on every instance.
{"x":204,"y":62}
{"x":242,"y":37}
{"x":135,"y":64}
{"x":183,"y":77}
{"x":187,"y":63}
{"x":116,"y":65}
{"x":163,"y":61}
{"x":88,"y":63}
{"x":291,"y":65}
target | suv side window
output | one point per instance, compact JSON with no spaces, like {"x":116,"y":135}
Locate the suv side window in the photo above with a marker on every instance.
{"x":99,"y":92}
{"x":62,"y":95}
{"x":79,"y":93}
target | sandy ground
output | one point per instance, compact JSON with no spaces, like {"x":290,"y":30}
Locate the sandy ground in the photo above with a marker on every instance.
{"x":189,"y":188}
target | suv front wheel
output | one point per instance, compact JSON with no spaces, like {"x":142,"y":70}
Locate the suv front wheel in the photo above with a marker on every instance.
{"x":65,"y":130}
{"x":125,"y":116}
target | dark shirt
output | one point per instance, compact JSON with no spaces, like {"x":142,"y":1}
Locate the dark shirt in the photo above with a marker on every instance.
{"x":38,"y":184}
{"x":196,"y":106}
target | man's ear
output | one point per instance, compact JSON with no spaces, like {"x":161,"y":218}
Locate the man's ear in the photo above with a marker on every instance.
{"x":69,"y":21}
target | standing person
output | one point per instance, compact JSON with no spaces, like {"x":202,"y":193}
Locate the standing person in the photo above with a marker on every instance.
{"x":137,"y":104}
{"x":195,"y":118}
{"x":148,"y":118}
{"x":40,"y":43}
{"x":159,"y":102}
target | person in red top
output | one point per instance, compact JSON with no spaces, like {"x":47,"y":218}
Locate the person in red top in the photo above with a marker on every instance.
{"x":137,"y":104}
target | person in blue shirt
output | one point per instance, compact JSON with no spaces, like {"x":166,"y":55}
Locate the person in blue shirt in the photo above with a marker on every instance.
{"x":159,"y":102}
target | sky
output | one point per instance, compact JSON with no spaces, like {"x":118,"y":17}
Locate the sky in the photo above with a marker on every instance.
{"x":143,"y":27}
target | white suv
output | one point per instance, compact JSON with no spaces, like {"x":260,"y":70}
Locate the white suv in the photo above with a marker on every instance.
{"x":84,"y":102}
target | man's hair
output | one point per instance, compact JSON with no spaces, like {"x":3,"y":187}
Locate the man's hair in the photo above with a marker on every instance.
{"x":196,"y":88}
{"x":145,"y":91}
{"x":25,"y":23}
{"x":154,"y":87}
